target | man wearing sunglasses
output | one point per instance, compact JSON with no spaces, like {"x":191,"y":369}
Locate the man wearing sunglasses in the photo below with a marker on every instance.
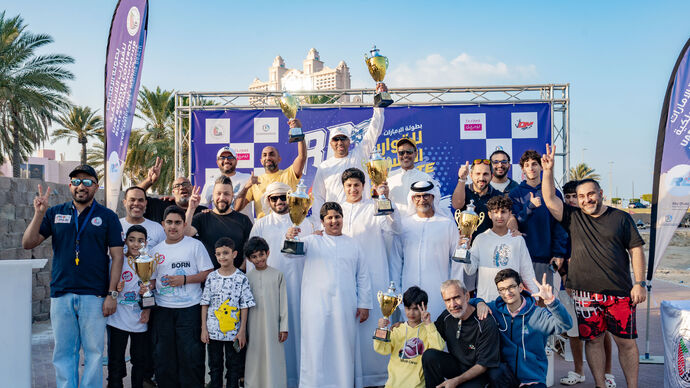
{"x":399,"y":181}
{"x":273,"y":228}
{"x":182,"y":190}
{"x":478,"y":190}
{"x":86,"y":237}
{"x":226,"y":159}
{"x":327,"y":184}
{"x":500,"y":163}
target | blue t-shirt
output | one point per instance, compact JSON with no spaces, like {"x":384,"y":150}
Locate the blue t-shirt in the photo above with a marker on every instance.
{"x":101,"y":231}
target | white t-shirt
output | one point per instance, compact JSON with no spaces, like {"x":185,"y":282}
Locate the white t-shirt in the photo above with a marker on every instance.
{"x":154,"y":232}
{"x":500,"y":186}
{"x":128,"y":312}
{"x":187,"y":257}
{"x":238,"y":181}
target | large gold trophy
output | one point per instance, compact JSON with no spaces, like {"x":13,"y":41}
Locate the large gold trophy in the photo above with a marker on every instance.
{"x":289,"y":105}
{"x":388,"y":302}
{"x":299,"y":203}
{"x":468,"y":222}
{"x":377,"y":169}
{"x":377,"y":65}
{"x":144,"y":266}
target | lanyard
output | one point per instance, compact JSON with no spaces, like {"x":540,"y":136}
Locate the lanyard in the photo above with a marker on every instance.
{"x":80,"y":230}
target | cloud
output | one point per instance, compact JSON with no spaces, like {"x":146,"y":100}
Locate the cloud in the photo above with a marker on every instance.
{"x":463,"y":70}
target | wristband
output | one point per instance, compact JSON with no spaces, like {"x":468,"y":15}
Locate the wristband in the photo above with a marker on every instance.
{"x":185,"y":280}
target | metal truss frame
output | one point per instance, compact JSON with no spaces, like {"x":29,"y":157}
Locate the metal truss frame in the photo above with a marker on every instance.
{"x":557,"y":95}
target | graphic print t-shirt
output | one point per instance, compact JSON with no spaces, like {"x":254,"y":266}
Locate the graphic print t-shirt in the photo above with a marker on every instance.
{"x":225,"y":297}
{"x":128,"y":312}
{"x":186,"y":257}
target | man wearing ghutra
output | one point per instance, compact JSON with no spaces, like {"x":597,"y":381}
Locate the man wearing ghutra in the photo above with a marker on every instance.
{"x":429,"y":241}
{"x":82,"y":287}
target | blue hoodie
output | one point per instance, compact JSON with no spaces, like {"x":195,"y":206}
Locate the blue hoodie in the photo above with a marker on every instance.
{"x":545,"y":237}
{"x":523,"y":338}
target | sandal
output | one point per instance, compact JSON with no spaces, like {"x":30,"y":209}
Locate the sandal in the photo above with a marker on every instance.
{"x":610,"y":380}
{"x":574,"y":378}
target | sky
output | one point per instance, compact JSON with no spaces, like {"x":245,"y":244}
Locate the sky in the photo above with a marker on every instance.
{"x":617,"y":56}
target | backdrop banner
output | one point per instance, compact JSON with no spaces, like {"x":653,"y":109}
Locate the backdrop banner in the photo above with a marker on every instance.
{"x":123,"y":65}
{"x":446,"y":136}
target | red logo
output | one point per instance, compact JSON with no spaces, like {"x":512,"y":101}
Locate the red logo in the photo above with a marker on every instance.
{"x":242,"y":156}
{"x":524,"y":124}
{"x":159,"y":258}
{"x":473,"y":127}
{"x":127,"y":276}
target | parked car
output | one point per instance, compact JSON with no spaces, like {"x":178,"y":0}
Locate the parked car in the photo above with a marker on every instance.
{"x":637,"y":205}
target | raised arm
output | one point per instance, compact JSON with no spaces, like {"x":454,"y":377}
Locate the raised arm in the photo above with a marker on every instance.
{"x":371,"y":135}
{"x":32,"y":236}
{"x":153,"y":174}
{"x":191,"y":208}
{"x":301,"y":159}
{"x":548,"y":187}
{"x":458,"y":198}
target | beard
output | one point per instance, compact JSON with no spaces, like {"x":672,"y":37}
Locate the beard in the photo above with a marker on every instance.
{"x":182,"y":201}
{"x":500,"y":175}
{"x":270,"y":167}
{"x":227,"y":170}
{"x":222,"y":206}
{"x":88,"y":197}
{"x":597,"y":208}
{"x":282,"y":210}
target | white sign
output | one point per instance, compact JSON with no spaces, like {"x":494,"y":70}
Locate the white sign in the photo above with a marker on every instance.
{"x":472,"y":126}
{"x":266,"y":130}
{"x":505,"y":145}
{"x":217,"y":131}
{"x":523,"y":125}
{"x":244,"y":154}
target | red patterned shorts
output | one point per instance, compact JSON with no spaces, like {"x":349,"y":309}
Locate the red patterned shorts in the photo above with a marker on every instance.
{"x":597,"y":313}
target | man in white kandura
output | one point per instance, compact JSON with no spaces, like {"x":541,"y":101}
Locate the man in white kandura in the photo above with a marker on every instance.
{"x":336,"y":298}
{"x":429,"y":240}
{"x":272,"y":227}
{"x":360,"y":223}
{"x":327,"y":185}
{"x":400,"y":180}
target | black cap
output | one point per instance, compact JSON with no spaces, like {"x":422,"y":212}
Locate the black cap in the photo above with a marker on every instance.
{"x":86,"y":169}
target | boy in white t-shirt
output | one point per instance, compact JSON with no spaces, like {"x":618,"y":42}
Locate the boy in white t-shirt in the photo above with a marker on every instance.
{"x":183,"y":264}
{"x":129,"y":321}
{"x":497,"y":249}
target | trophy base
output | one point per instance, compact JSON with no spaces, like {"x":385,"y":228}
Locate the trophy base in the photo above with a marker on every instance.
{"x":383,"y":335}
{"x":293,"y":247}
{"x":383,"y":99}
{"x":147,"y":302}
{"x":383,"y":207}
{"x":461,"y":255}
{"x":296,"y":135}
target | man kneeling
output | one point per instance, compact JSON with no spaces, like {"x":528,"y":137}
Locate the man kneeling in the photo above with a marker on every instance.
{"x":473,"y":344}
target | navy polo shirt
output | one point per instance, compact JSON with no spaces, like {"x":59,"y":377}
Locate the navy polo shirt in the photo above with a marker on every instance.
{"x":480,"y":206}
{"x":103,"y":230}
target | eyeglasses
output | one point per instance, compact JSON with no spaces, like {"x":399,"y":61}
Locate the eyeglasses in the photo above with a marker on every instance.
{"x":339,"y":138}
{"x":480,"y":161}
{"x":87,"y":182}
{"x":504,"y":161}
{"x":405,"y":152}
{"x":418,"y":197}
{"x":275,"y":198}
{"x":510,"y":288}
{"x":226,"y":157}
{"x":183,"y":184}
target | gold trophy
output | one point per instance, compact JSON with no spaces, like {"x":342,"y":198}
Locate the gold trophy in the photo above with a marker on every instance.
{"x":289,"y":105}
{"x":377,"y":65}
{"x":299,"y":203}
{"x":388,"y":303}
{"x":377,"y":168}
{"x":468,"y":222}
{"x":144,"y":266}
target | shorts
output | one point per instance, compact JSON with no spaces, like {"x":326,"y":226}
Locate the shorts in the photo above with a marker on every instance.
{"x":597,"y":313}
{"x":567,"y":302}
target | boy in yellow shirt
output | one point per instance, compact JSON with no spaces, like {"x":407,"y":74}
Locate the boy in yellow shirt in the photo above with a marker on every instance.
{"x":409,"y":341}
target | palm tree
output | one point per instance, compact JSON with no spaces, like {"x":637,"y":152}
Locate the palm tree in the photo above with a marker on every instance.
{"x":95,"y":155}
{"x":80,"y":123}
{"x":32,"y":89}
{"x":583,"y":171}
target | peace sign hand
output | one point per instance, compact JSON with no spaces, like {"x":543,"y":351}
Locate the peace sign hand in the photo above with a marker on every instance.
{"x":547,"y":160}
{"x":41,"y":200}
{"x":545,"y":291}
{"x":195,"y":198}
{"x":426,"y":316}
{"x":155,"y":171}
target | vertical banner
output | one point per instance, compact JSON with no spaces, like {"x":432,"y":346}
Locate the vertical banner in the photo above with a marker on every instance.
{"x":123,"y":64}
{"x":671,"y":192}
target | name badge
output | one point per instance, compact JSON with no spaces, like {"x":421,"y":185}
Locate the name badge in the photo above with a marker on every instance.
{"x":63,"y":218}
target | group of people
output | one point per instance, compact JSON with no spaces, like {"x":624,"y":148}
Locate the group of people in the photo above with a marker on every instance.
{"x":223,"y":287}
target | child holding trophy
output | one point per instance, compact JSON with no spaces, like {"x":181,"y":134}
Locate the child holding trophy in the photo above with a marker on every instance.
{"x":268,"y":321}
{"x":408,"y":341}
{"x":129,"y":321}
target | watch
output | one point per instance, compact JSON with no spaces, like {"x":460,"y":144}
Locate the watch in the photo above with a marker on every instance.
{"x":113,"y":294}
{"x":642,"y":283}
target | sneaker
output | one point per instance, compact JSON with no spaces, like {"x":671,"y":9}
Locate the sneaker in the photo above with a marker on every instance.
{"x":610,"y":380}
{"x":573,"y":378}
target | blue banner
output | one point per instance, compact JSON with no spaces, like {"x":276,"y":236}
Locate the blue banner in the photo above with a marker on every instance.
{"x":446,"y":136}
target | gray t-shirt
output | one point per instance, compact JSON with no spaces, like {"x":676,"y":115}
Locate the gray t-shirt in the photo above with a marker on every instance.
{"x":225,"y":296}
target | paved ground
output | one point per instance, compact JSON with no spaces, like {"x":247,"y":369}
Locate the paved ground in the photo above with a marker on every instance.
{"x":650,"y":375}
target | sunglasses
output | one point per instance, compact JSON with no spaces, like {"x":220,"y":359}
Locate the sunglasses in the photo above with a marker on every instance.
{"x":226,"y":157}
{"x":405,"y":152}
{"x":87,"y":182}
{"x":480,"y":161}
{"x":275,"y":198}
{"x":339,"y":138}
{"x":504,"y":161}
{"x":184,"y":184}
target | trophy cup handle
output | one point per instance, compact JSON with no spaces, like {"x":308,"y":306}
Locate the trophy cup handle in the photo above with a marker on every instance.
{"x":481,"y":218}
{"x":458,"y":216}
{"x":379,"y":295}
{"x":386,"y":63}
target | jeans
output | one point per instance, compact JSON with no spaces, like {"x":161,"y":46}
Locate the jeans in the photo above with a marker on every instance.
{"x":234,"y":363}
{"x":78,"y":322}
{"x":178,"y":351}
{"x":139,"y":352}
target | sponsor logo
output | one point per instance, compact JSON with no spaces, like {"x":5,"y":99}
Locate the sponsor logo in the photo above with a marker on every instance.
{"x":668,"y":218}
{"x":63,"y":218}
{"x":244,"y":154}
{"x":524,"y":124}
{"x":473,"y":126}
{"x":677,"y":180}
{"x":133,"y":21}
{"x":682,"y":360}
{"x":96,"y":221}
{"x":266,"y":129}
{"x":217,"y":131}
{"x":127,"y":276}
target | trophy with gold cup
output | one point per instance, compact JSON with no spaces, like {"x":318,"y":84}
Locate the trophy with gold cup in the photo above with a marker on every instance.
{"x":144,"y":266}
{"x":289,"y":105}
{"x":377,"y":169}
{"x":388,"y":302}
{"x":468,"y":222}
{"x":377,"y":65}
{"x":299,"y":203}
